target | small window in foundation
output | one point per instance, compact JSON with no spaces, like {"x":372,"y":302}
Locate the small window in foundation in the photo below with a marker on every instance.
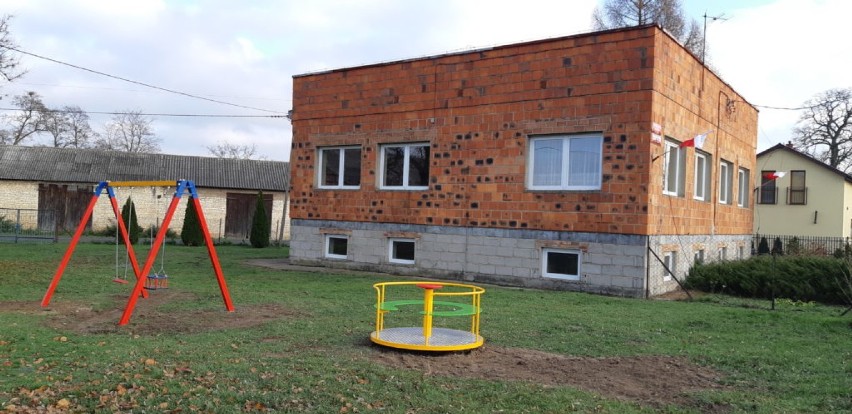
{"x":336,"y":246}
{"x":561,"y":264}
{"x":401,"y":251}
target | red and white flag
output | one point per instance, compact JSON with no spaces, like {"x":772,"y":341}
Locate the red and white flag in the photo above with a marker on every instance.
{"x":773,"y":175}
{"x":697,"y":141}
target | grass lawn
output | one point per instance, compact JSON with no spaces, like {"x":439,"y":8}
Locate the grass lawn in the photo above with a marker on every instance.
{"x":298,"y":342}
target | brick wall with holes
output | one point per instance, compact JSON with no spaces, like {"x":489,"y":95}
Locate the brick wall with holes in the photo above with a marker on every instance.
{"x":478,"y":110}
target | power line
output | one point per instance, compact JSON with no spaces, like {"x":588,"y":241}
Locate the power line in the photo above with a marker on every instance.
{"x":139,"y":83}
{"x":59,"y":111}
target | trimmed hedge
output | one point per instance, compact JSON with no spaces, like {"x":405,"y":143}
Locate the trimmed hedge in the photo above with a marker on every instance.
{"x":804,"y":278}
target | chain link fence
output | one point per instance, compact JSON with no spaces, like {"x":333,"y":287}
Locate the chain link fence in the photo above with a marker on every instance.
{"x":19,"y":225}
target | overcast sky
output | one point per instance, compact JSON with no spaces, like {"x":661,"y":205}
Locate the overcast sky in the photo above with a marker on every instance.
{"x":774,"y":52}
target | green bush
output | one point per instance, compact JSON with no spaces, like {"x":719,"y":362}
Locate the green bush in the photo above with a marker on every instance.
{"x":6,"y":225}
{"x":190,"y":233}
{"x":260,"y":226}
{"x":802,"y":278}
{"x":128,"y":215}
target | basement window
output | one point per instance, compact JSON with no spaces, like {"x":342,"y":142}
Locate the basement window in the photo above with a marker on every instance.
{"x":670,"y":265}
{"x":561,"y":264}
{"x":336,"y":246}
{"x":401,"y":251}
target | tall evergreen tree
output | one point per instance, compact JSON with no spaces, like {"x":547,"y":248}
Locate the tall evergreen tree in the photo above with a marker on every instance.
{"x":128,"y":215}
{"x":259,"y":224}
{"x":190,"y":233}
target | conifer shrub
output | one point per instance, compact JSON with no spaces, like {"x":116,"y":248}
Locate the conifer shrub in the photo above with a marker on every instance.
{"x":763,"y":246}
{"x":190,"y":233}
{"x":131,"y":222}
{"x":802,"y":278}
{"x":260,"y":226}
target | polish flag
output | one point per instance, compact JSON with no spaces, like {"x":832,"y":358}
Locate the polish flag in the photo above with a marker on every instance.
{"x":773,"y":175}
{"x":697,"y":141}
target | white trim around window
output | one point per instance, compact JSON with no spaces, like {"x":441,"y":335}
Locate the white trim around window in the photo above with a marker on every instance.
{"x":701,"y":186}
{"x":339,"y":167}
{"x":565,"y":162}
{"x":725,"y":181}
{"x":744,"y":187}
{"x":674,"y":164}
{"x":670,"y":262}
{"x":336,"y":246}
{"x":401,"y":251}
{"x":561,"y":263}
{"x":404,"y":166}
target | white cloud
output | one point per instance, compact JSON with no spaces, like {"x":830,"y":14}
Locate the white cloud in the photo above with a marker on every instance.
{"x":777,"y":53}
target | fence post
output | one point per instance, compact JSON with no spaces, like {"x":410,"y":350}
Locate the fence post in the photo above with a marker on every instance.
{"x":17,"y":224}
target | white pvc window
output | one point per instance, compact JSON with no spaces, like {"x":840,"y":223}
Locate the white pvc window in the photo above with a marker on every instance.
{"x":404,"y":167}
{"x":743,"y":187}
{"x":725,"y":181}
{"x":401,"y":251}
{"x":339,"y":167}
{"x":336,"y":246}
{"x":699,"y":256}
{"x":561,"y":264}
{"x":565,"y":162}
{"x":674,"y":166}
{"x":670,"y":262}
{"x":701,"y":186}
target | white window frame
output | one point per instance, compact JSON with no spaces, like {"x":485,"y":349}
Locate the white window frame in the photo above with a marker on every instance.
{"x":741,"y":252}
{"x":393,"y":259}
{"x":670,"y":262}
{"x":744,"y":188}
{"x":565,"y":166}
{"x":405,"y":167}
{"x":701,"y":188}
{"x":723,"y":253}
{"x":725,"y":182}
{"x":340,"y":168}
{"x":698,"y":256}
{"x":544,"y":262}
{"x":673,"y":152}
{"x":327,"y":246}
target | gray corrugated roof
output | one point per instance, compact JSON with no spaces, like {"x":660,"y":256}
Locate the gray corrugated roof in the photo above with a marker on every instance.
{"x":71,"y":165}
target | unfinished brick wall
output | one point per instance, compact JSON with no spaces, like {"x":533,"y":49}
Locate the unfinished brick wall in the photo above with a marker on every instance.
{"x":477,"y":111}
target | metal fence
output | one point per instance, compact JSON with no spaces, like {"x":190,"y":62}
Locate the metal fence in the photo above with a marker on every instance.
{"x":803,"y":245}
{"x":27,"y":225}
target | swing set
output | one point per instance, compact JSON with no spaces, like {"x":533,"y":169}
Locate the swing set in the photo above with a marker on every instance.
{"x":155,"y":280}
{"x":143,"y":276}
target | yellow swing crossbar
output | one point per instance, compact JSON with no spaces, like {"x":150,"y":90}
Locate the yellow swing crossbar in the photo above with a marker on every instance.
{"x":172,"y":183}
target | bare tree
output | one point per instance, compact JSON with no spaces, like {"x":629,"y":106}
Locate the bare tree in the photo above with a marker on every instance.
{"x":9,"y":61}
{"x":824,"y":129}
{"x":225,"y":149}
{"x":129,"y":132}
{"x":614,"y":14}
{"x":28,"y":121}
{"x":68,"y":127}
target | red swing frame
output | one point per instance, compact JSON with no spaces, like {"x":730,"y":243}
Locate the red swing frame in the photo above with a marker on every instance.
{"x":138,"y":289}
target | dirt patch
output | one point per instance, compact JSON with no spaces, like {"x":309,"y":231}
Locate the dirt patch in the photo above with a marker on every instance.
{"x":649,"y":380}
{"x":148,"y":317}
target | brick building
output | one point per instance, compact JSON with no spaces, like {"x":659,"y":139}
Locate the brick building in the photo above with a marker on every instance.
{"x":555,"y":163}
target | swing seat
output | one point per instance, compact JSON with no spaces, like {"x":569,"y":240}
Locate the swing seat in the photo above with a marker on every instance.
{"x":156,"y":281}
{"x":120,"y":280}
